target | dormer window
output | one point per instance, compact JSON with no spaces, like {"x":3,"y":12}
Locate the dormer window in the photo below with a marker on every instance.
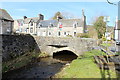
{"x":51,"y":25}
{"x":31,"y":24}
{"x":40,"y":25}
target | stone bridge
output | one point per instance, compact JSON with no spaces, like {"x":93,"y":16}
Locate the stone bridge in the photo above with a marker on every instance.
{"x":13,"y":46}
{"x":56,"y":44}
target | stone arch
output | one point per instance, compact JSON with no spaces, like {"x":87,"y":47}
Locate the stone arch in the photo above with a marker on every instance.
{"x":65,"y":49}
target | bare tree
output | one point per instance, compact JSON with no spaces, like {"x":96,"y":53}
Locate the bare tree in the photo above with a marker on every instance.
{"x":68,"y":15}
{"x":64,"y":15}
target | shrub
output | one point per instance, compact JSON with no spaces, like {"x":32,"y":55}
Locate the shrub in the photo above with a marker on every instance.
{"x":69,"y":35}
{"x":83,"y":35}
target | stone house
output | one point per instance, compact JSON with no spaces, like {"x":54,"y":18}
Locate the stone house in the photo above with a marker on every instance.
{"x":55,"y":28}
{"x":61,"y":28}
{"x":27,"y":25}
{"x":6,"y":22}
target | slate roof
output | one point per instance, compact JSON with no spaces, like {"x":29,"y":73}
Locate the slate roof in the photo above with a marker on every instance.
{"x":46,"y":23}
{"x":64,"y":22}
{"x":70,"y":22}
{"x":4,"y":15}
{"x":27,"y":20}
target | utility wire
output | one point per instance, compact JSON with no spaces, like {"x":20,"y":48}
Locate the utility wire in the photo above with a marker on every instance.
{"x":111,"y":3}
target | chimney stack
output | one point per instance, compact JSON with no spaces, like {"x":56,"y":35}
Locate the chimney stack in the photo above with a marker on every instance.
{"x":83,"y":14}
{"x":41,"y":17}
{"x":84,"y":21}
{"x":58,"y":18}
{"x":24,"y":17}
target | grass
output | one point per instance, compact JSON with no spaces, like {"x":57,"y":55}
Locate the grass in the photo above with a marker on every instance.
{"x":84,"y":67}
{"x":93,"y":53}
{"x":44,"y":54}
{"x":21,"y":61}
{"x":106,"y":44}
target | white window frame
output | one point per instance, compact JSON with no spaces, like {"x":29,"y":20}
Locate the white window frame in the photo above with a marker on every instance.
{"x":75,"y":24}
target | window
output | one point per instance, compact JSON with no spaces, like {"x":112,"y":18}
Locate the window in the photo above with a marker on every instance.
{"x":74,"y":33}
{"x":40,"y":25}
{"x":31,"y":30}
{"x":31,"y":24}
{"x":21,"y":24}
{"x":49,"y":33}
{"x":51,"y":25}
{"x":75,"y":25}
{"x":20,"y":29}
{"x":27,"y":30}
{"x":58,"y":33}
{"x":64,"y":33}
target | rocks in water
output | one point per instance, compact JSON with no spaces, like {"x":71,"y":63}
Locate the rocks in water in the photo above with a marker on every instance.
{"x":67,"y":64}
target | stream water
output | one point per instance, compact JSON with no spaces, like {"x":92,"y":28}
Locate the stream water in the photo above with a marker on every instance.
{"x":44,"y":68}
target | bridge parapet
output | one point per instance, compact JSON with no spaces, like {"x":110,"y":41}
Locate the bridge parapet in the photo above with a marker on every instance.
{"x":78,"y":45}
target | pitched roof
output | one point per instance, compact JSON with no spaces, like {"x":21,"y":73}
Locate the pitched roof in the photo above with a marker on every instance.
{"x":27,"y":20}
{"x":4,"y":15}
{"x":64,"y":22}
{"x":46,"y":23}
{"x":70,"y":22}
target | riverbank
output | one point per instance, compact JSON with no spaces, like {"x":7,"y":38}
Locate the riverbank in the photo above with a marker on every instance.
{"x":85,"y":67}
{"x":82,"y":67}
{"x":22,"y":61}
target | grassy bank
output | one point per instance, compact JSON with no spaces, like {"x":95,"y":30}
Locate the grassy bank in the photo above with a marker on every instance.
{"x":106,"y":44}
{"x":84,"y":67}
{"x":21,"y":61}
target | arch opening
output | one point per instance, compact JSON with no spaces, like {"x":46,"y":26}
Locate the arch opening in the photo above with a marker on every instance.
{"x":64,"y":55}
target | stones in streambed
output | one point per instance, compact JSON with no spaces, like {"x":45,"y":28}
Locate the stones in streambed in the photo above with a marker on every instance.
{"x":67,"y":64}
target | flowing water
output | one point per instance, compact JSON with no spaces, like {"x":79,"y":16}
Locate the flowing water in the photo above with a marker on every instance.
{"x":44,"y":68}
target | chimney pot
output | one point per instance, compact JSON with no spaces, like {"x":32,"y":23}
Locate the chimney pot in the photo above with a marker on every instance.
{"x":24,"y":17}
{"x":41,"y":17}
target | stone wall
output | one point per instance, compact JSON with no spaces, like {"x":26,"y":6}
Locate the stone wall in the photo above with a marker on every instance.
{"x":16,"y":45}
{"x":76,"y":45}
